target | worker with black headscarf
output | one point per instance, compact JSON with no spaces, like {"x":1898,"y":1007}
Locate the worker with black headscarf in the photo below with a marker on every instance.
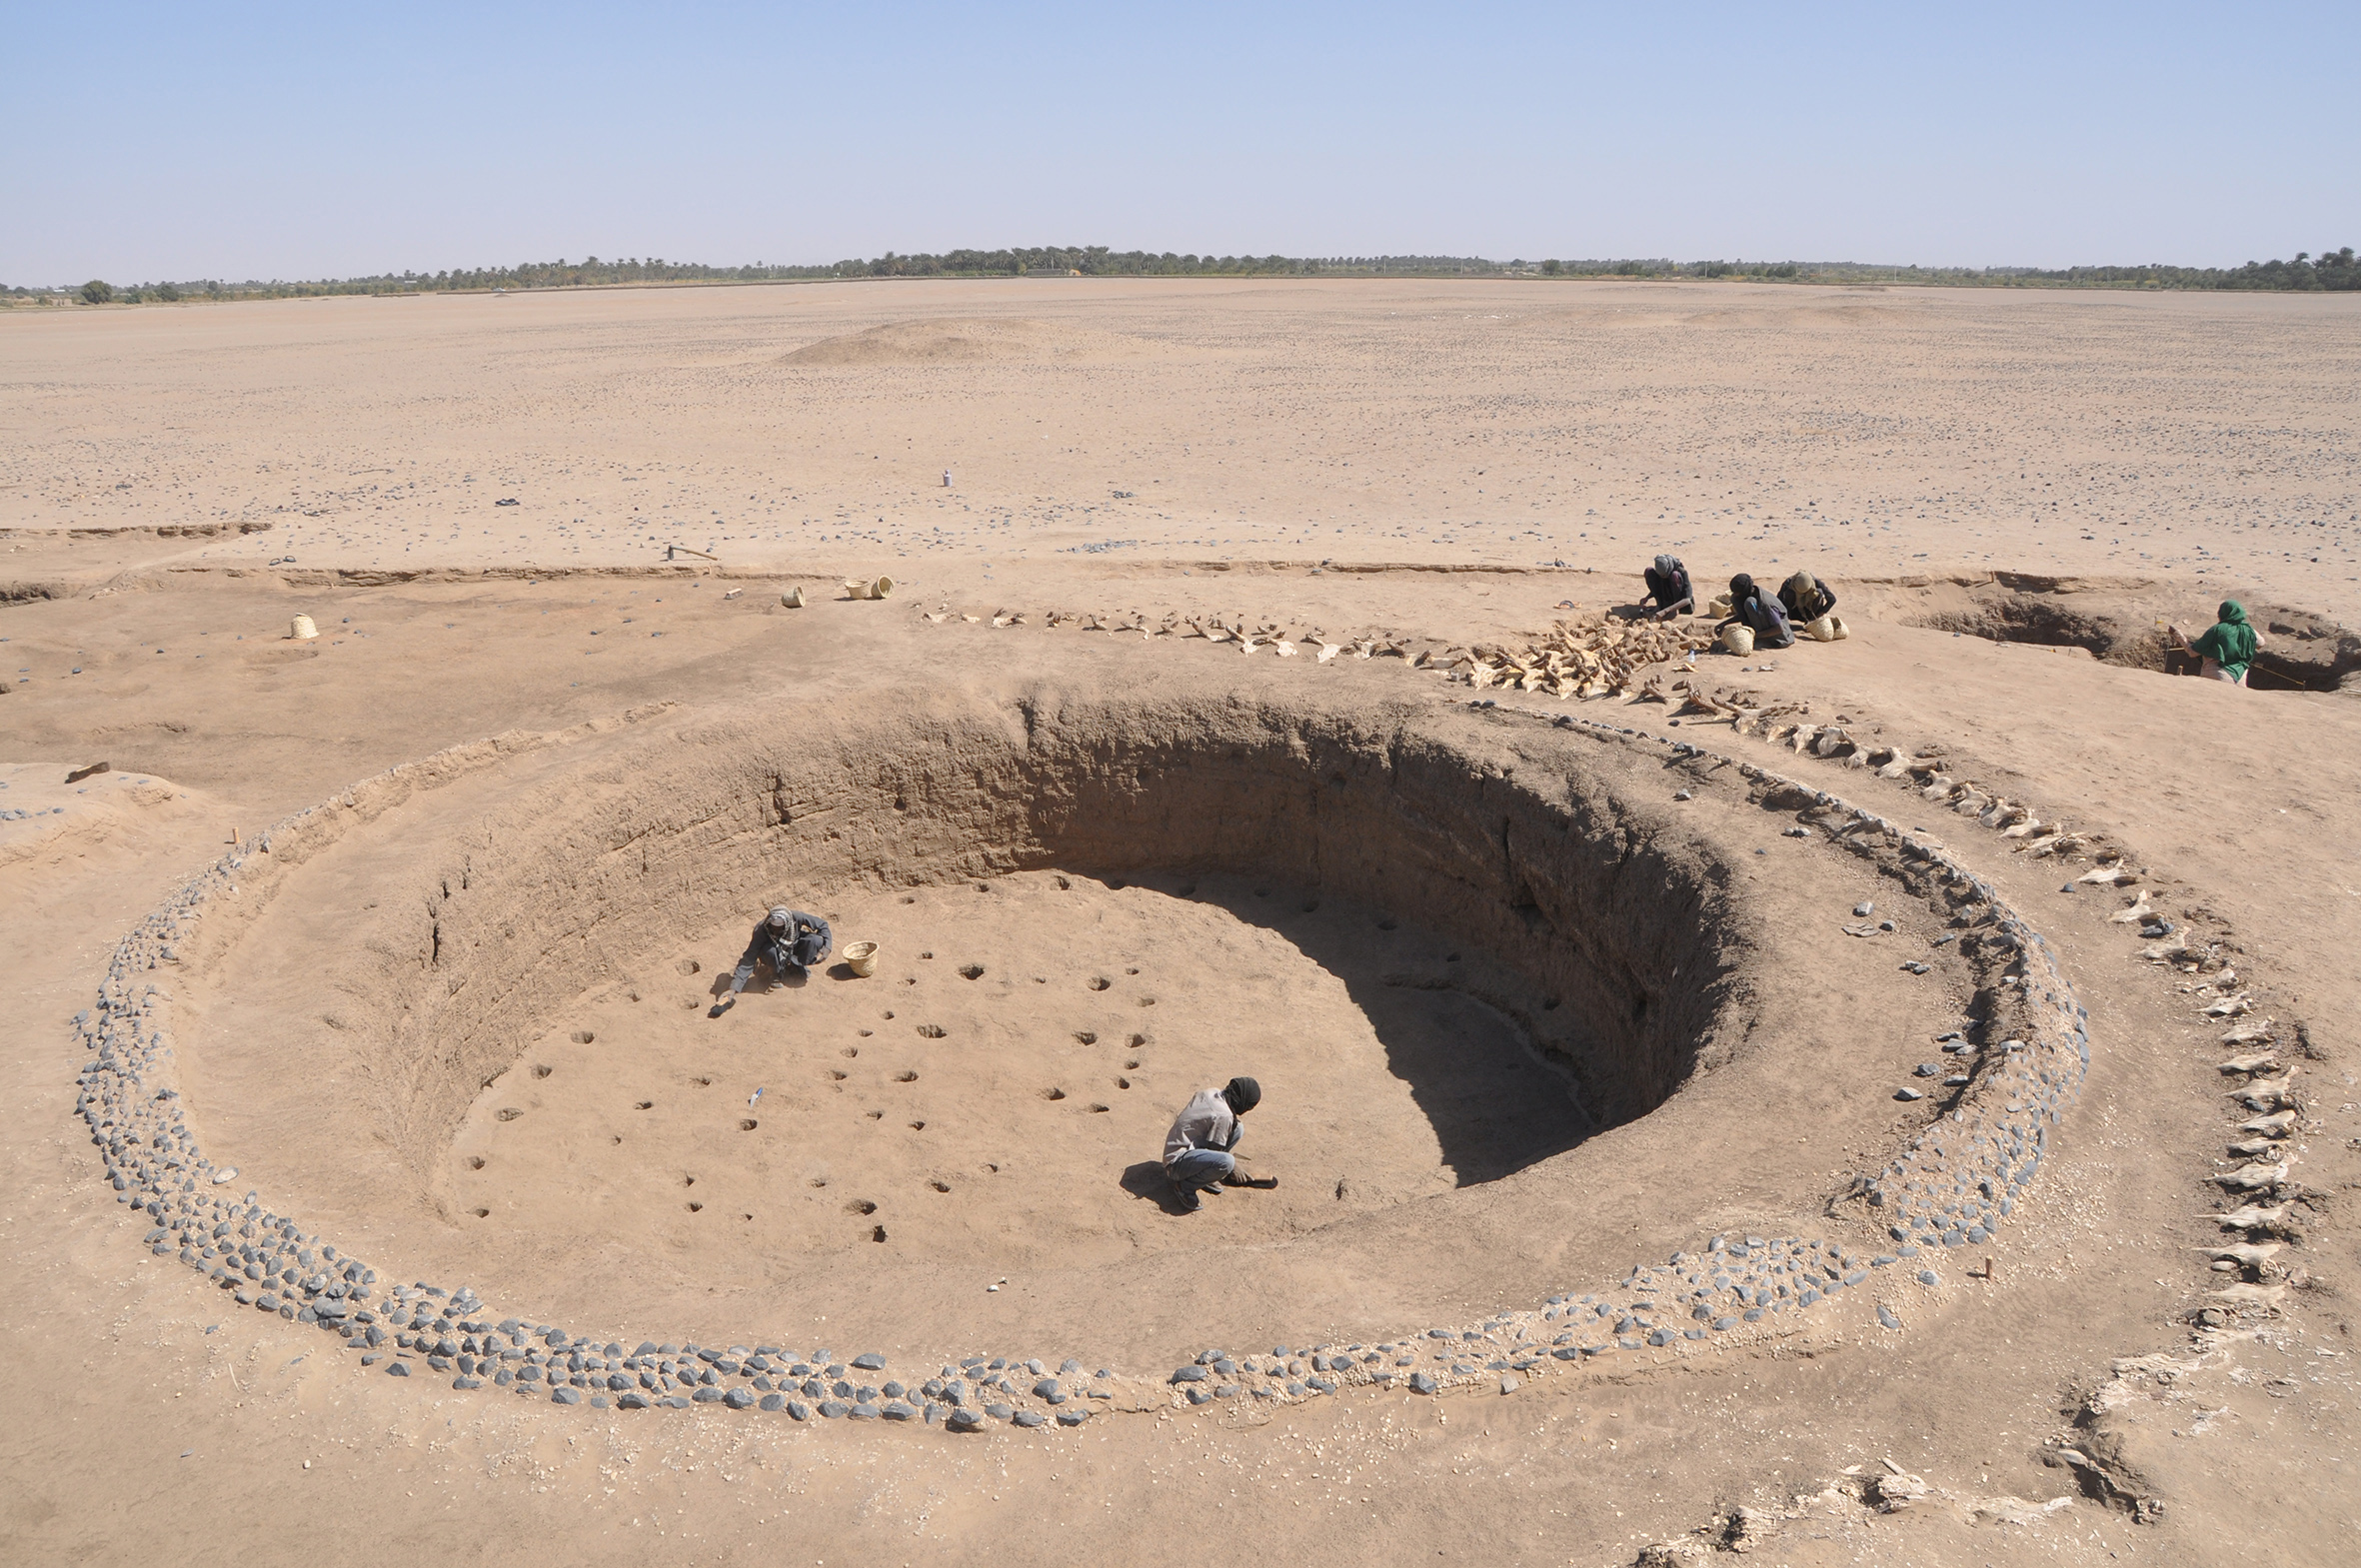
{"x":1201,"y":1152}
{"x":1759,"y":613}
{"x":1669,"y":589}
{"x":786,"y":939}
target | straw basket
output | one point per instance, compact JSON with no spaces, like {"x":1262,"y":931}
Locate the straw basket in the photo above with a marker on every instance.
{"x":861,"y":958}
{"x":1739,"y":641}
{"x":882,"y":587}
{"x":792,"y":599}
{"x":855,"y":588}
{"x":1828,"y":629}
{"x":1719,"y":608}
{"x":301,"y":627}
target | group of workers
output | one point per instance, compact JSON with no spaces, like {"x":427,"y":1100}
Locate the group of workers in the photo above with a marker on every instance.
{"x":1771,"y":618}
{"x":1200,"y":1151}
{"x":2226,"y":650}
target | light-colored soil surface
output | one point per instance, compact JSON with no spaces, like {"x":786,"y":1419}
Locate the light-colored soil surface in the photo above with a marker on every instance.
{"x":1432,"y":1169}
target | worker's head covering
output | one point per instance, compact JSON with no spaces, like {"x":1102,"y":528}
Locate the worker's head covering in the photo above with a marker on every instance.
{"x":1669,"y":565}
{"x":1244,"y":1094}
{"x":1740,"y":587}
{"x":2232,"y":611}
{"x":780,"y":917}
{"x":1804,"y":582}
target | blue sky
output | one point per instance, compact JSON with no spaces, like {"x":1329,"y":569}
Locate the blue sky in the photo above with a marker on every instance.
{"x":145,"y":143}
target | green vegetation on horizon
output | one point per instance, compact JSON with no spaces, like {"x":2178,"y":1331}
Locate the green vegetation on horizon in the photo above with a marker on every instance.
{"x":2330,"y":271}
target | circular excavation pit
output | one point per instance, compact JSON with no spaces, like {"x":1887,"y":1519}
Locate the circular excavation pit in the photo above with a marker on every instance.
{"x":1527,"y":1004}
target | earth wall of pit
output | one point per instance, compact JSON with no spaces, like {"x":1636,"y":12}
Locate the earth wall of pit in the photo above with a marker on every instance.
{"x":1606,"y":928}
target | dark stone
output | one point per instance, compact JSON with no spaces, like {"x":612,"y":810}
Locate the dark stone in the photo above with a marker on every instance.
{"x":1029,"y":1418}
{"x":1072,"y":1417}
{"x":965,"y":1421}
{"x":707,"y":1396}
{"x":397,"y":1369}
{"x":739,"y":1398}
{"x":897,"y":1410}
{"x":634,"y":1400}
{"x":1422,"y":1383}
{"x":1190,"y":1374}
{"x":1000,"y":1412}
{"x":565,"y":1396}
{"x":797,"y":1411}
{"x":872,"y":1362}
{"x":834,"y":1409}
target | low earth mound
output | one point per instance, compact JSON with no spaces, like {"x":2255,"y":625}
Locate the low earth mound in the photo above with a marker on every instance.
{"x":955,"y":340}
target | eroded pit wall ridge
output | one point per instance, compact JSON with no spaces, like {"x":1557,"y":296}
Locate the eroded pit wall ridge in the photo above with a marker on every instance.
{"x":1955,"y":1185}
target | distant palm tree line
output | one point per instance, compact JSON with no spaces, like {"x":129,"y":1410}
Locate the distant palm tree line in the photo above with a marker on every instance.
{"x":2329,"y":271}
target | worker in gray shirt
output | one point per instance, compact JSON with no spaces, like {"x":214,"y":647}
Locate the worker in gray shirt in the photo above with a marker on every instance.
{"x":785,"y":939}
{"x":1200,"y":1151}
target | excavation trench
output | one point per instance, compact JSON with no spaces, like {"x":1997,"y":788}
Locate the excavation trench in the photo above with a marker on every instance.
{"x":2123,"y":623}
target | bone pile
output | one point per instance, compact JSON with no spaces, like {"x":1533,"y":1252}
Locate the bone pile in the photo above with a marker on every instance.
{"x":1577,"y":657}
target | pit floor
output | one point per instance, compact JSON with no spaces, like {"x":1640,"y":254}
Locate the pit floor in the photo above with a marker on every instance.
{"x":996,"y":1096}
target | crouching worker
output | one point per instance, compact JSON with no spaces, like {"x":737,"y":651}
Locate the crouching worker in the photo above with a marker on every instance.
{"x":1806,"y":598}
{"x":785,"y":939}
{"x":1669,"y":591}
{"x":2227,"y":647}
{"x":1759,"y":613}
{"x":1200,"y":1151}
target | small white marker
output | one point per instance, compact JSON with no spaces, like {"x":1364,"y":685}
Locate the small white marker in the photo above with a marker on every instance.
{"x":751,"y":1099}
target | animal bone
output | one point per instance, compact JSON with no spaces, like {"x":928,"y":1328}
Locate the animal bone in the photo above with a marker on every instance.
{"x":2250,"y":1295}
{"x":2137,"y":912}
{"x":2277,"y":1124}
{"x":2250,"y":1218}
{"x":2108,"y":876}
{"x":2268,"y":1093}
{"x":2251,"y":1178}
{"x":2230,"y":1007}
{"x":2248,"y":1034}
{"x":2249,"y":1254}
{"x":2266,"y":1061}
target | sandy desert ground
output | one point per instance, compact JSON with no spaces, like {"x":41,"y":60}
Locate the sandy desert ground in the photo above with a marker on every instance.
{"x":1560,"y":1029}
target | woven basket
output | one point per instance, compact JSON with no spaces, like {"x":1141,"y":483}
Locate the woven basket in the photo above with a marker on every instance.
{"x":1739,"y":641}
{"x":301,"y":627}
{"x":861,"y":958}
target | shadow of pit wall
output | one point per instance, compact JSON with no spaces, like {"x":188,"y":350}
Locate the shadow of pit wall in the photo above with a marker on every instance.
{"x":1608,"y":927}
{"x":1443,"y":1012}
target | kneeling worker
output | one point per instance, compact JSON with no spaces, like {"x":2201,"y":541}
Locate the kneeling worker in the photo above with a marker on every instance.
{"x":1198,"y":1151}
{"x":785,"y":939}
